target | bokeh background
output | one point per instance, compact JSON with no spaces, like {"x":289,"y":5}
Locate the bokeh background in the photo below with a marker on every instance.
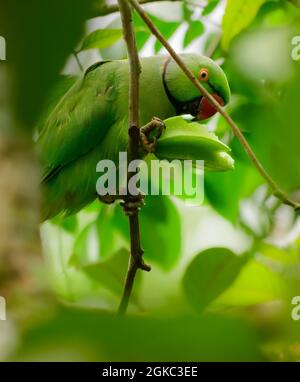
{"x":223,"y":274}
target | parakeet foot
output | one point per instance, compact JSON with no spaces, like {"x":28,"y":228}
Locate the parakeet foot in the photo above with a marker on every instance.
{"x":108,"y":199}
{"x":150,"y":133}
{"x":133,"y":205}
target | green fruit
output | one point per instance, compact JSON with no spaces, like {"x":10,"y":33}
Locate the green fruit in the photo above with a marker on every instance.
{"x":191,"y":141}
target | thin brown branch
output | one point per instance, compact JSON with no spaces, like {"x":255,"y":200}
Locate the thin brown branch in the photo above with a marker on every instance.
{"x":136,"y":258}
{"x":101,"y":8}
{"x":276,"y":190}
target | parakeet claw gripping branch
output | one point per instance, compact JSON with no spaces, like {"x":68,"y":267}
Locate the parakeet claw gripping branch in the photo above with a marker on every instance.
{"x":156,"y":127}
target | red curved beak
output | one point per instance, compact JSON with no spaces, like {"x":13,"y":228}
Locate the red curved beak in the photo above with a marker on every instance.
{"x":206,"y":109}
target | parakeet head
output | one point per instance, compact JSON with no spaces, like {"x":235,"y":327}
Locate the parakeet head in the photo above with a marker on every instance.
{"x":185,"y":96}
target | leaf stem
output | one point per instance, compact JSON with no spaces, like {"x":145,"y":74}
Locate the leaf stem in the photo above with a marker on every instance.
{"x":276,"y":190}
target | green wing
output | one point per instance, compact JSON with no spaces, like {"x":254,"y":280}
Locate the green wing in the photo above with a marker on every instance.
{"x":79,"y":121}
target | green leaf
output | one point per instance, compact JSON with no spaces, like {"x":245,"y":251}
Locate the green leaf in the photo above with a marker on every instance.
{"x":239,"y":15}
{"x":195,"y":30}
{"x":273,"y":132}
{"x":141,"y":38}
{"x":101,"y":38}
{"x":187,"y":12}
{"x":111,"y":272}
{"x":142,"y":33}
{"x":90,"y":335}
{"x":69,"y":223}
{"x":225,"y":191}
{"x":94,"y":207}
{"x":83,"y":251}
{"x":40,"y":36}
{"x":167,"y":28}
{"x":211,"y":6}
{"x":256,"y":284}
{"x":110,"y":239}
{"x":161,"y":231}
{"x":210,"y":274}
{"x":106,"y":268}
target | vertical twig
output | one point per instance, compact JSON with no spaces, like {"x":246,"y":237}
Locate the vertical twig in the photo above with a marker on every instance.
{"x":276,"y":190}
{"x":136,"y":258}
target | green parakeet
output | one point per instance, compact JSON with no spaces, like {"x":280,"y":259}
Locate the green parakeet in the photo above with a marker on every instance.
{"x":90,"y":122}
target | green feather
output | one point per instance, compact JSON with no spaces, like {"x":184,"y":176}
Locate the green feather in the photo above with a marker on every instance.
{"x":90,"y":123}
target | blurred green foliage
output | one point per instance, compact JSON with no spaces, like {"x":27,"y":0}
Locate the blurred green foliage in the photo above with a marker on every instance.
{"x":39,"y":36}
{"x":192,"y":275}
{"x":209,"y":274}
{"x":92,"y":336}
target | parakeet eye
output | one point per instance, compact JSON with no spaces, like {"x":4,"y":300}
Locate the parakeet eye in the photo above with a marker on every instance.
{"x":203,"y":75}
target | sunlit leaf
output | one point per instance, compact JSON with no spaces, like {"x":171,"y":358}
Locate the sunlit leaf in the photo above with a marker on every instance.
{"x":160,"y":230}
{"x":167,"y":28}
{"x":111,"y":272}
{"x":211,"y":6}
{"x":142,"y":33}
{"x":225,"y":191}
{"x":273,"y":131}
{"x":195,"y":30}
{"x":238,"y":16}
{"x":256,"y":284}
{"x":93,"y":207}
{"x":101,"y":38}
{"x":110,"y":239}
{"x":69,"y":224}
{"x":86,"y":247}
{"x":187,"y":12}
{"x":210,"y":274}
